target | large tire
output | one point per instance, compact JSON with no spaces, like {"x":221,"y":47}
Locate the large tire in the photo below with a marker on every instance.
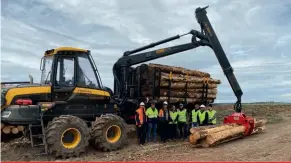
{"x":99,"y":133}
{"x":61,"y":127}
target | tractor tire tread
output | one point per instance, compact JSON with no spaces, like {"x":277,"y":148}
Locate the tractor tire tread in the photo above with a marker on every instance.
{"x":98,"y":138}
{"x":54,"y":131}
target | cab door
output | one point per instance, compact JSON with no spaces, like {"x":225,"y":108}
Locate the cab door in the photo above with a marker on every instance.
{"x":64,"y":81}
{"x":64,"y":84}
{"x":88,"y":90}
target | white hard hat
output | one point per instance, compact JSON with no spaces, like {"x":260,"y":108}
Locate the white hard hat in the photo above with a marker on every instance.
{"x":202,"y":106}
{"x":165,"y":103}
{"x":141,"y":104}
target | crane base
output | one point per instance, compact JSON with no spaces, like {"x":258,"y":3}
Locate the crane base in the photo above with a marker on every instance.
{"x":241,"y":119}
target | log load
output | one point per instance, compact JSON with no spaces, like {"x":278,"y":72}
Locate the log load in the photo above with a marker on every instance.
{"x":9,"y":129}
{"x":178,"y":70}
{"x":176,"y":83}
{"x":190,"y":100}
{"x":214,"y":135}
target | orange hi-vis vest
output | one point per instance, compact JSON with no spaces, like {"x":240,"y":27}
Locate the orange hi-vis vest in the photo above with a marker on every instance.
{"x":162,"y":114}
{"x":140,"y":117}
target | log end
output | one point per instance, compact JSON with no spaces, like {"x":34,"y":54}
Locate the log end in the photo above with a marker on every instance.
{"x":192,"y":140}
{"x":6,"y":130}
{"x":15,"y":130}
{"x":20,"y":128}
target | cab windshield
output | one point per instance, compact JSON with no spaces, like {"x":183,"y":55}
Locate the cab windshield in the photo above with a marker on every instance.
{"x":46,"y":68}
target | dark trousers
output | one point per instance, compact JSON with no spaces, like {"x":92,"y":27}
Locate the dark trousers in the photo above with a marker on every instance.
{"x":164,"y":130}
{"x":152,"y":127}
{"x":141,"y":133}
{"x":182,"y":129}
{"x":172,"y":131}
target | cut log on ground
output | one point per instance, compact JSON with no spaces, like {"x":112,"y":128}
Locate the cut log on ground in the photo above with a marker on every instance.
{"x":217,"y":137}
{"x":259,"y":123}
{"x":259,"y":129}
{"x":260,"y":126}
{"x":14,"y":130}
{"x":6,"y":130}
{"x":202,"y":133}
{"x":209,"y":136}
{"x":20,"y":128}
{"x":192,"y":139}
{"x":200,"y":128}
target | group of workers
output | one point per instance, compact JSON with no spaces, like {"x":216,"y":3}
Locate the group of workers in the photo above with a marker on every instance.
{"x":173,"y":123}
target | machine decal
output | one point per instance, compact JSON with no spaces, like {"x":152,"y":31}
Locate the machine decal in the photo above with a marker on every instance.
{"x":161,"y":51}
{"x":91,"y":91}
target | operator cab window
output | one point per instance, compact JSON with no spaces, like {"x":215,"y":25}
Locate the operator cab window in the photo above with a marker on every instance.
{"x":86,"y":76}
{"x":65,"y":72}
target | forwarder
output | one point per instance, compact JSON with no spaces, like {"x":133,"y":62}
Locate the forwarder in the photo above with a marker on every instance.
{"x":70,"y":107}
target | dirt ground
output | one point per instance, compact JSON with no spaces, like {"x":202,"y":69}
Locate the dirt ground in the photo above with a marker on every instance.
{"x":272,"y":145}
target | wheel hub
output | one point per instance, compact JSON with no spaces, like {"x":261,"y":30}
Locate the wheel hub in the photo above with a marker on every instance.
{"x":113,"y":134}
{"x":71,"y":138}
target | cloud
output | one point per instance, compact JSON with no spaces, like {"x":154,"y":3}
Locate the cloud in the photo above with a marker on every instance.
{"x":288,"y":95}
{"x":255,"y":36}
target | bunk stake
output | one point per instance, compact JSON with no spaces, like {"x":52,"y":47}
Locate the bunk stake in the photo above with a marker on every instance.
{"x":186,"y":89}
{"x":205,"y":90}
{"x":154,"y":84}
{"x":170,"y":85}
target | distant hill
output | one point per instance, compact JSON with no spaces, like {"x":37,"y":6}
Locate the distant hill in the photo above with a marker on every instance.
{"x":257,"y":103}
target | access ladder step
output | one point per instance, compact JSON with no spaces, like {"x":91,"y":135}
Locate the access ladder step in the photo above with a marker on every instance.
{"x":38,"y":136}
{"x":35,"y":126}
{"x":37,"y":145}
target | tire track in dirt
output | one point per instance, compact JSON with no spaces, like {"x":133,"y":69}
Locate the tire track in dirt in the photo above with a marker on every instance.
{"x":272,"y":145}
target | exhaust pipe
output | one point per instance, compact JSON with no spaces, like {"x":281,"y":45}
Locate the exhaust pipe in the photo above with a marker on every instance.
{"x":30,"y":78}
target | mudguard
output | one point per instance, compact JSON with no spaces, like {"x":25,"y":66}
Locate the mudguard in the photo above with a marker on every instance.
{"x":21,"y":114}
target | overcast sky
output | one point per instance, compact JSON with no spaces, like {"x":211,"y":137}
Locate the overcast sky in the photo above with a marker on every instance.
{"x":255,"y":34}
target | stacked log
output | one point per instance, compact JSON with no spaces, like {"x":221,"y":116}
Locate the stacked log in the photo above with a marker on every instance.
{"x":182,"y":83}
{"x":214,"y":135}
{"x":9,"y":129}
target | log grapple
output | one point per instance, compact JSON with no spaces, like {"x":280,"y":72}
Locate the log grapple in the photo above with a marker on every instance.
{"x":241,"y":119}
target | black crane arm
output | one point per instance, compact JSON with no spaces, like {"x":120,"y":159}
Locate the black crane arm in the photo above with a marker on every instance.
{"x":121,"y":67}
{"x":128,"y":59}
{"x":208,"y":31}
{"x":207,"y":37}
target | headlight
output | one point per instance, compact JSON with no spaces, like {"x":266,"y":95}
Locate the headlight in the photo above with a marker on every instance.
{"x":5,"y":114}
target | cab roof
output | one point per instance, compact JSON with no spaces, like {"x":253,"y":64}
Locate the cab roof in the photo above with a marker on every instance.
{"x":52,"y":52}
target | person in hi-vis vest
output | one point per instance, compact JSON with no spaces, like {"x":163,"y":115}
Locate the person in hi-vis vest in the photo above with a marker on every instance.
{"x":173,"y":123}
{"x":194,"y":115}
{"x":152,"y":115}
{"x":182,"y":119}
{"x":164,"y":119}
{"x":203,"y":116}
{"x":140,"y":119}
{"x":212,"y":115}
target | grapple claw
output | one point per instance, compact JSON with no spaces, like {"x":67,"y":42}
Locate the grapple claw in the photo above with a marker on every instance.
{"x":241,"y":119}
